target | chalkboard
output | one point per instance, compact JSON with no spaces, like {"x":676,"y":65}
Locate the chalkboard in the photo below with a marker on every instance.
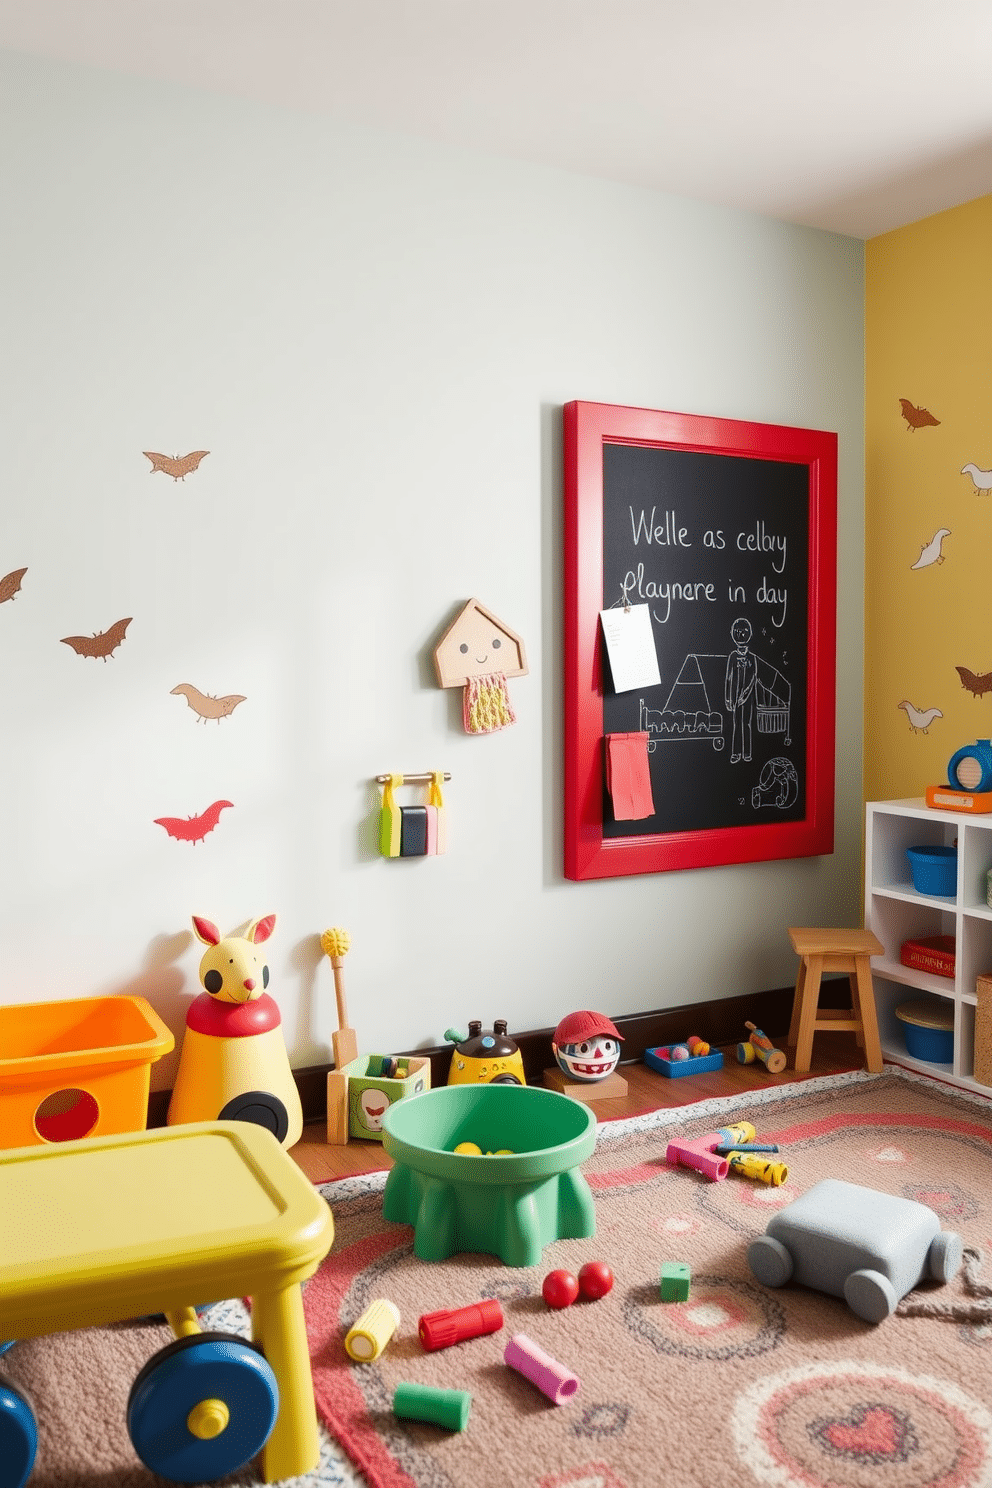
{"x":727,"y":532}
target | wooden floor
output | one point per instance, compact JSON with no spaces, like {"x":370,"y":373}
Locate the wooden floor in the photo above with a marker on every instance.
{"x":648,"y":1091}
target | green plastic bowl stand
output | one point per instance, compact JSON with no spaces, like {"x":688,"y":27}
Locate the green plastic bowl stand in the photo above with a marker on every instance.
{"x":510,"y":1206}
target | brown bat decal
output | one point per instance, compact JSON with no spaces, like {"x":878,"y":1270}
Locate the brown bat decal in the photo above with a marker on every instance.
{"x":193,"y":828}
{"x":10,"y":584}
{"x":916,"y":418}
{"x":973,"y":683}
{"x":102,"y":643}
{"x":205,"y":705}
{"x":178,"y":466}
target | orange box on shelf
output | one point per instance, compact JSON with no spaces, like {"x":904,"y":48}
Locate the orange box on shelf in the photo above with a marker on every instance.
{"x":79,"y":1068}
{"x":947,"y":798}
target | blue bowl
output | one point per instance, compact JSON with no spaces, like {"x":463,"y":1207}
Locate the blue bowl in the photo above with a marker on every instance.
{"x":934,"y":870}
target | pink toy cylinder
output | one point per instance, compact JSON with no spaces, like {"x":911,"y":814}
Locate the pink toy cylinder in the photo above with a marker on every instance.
{"x":551,"y":1378}
{"x":707,"y":1163}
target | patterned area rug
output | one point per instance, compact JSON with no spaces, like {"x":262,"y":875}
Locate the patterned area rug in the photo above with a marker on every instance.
{"x":738,"y":1385}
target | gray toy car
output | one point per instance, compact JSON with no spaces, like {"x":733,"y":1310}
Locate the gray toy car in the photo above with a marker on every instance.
{"x":870,"y":1248}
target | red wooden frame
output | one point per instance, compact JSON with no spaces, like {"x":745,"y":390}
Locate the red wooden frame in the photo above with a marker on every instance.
{"x":587,"y":427}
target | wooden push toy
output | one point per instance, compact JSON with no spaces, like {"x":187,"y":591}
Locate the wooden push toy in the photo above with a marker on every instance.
{"x":478,"y":652}
{"x":759,"y":1046}
{"x":212,"y":1210}
{"x":234,"y":1065}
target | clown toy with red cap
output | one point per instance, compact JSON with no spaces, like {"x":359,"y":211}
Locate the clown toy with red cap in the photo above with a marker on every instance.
{"x":586,"y":1046}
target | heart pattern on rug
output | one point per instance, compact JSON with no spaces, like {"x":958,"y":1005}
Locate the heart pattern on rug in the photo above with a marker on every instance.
{"x":869,"y":1432}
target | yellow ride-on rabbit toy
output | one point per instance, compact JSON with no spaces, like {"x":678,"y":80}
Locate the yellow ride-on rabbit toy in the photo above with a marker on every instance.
{"x":234,"y":1065}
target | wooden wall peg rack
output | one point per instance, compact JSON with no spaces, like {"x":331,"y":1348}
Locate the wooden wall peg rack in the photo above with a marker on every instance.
{"x":421,"y":777}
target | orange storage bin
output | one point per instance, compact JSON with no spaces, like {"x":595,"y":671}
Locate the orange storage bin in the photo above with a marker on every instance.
{"x":77,"y":1069}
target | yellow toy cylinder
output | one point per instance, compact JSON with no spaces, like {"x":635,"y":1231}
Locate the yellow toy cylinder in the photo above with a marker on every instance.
{"x":753,"y":1165}
{"x":739,"y":1132}
{"x":368,"y":1337}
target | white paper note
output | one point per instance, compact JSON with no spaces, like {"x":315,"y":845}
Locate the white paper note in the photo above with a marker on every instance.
{"x":630,"y":647}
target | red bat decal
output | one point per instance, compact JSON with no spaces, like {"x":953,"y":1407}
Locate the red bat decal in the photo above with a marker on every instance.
{"x":193,"y":828}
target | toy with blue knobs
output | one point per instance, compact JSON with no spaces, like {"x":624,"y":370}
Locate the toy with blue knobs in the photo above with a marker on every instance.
{"x":490,"y":1058}
{"x":969,"y":780}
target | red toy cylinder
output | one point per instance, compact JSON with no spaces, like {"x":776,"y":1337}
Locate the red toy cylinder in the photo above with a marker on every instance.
{"x":440,"y":1330}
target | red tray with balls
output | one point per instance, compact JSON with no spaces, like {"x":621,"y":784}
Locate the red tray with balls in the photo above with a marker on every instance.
{"x":689,"y":1058}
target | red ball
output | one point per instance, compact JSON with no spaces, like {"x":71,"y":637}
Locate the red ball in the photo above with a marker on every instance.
{"x":595,"y":1280}
{"x":560,"y":1289}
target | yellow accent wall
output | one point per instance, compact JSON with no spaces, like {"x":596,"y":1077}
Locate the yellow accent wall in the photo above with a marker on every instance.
{"x":928,"y":339}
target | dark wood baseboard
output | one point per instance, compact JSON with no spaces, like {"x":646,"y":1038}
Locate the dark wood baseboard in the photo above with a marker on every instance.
{"x":721,"y":1021}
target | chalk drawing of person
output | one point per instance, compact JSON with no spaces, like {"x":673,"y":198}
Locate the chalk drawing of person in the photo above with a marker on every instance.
{"x":742,"y":674}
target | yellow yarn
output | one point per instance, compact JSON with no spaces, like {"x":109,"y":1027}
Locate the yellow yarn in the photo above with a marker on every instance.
{"x":488,"y":704}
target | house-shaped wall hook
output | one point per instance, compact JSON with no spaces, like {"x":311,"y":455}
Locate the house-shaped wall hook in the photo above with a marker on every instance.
{"x":478,"y":652}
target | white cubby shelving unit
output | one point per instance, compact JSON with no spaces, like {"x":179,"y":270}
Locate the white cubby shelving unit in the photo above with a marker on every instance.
{"x":896,"y":913}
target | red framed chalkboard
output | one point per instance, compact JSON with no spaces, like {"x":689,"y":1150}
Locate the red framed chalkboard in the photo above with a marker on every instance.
{"x":727,"y":531}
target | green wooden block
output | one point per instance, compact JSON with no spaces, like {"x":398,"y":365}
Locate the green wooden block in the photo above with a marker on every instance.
{"x":675,"y":1279}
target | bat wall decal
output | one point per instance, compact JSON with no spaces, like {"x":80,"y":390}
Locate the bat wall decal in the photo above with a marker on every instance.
{"x":102,"y":643}
{"x":193,"y":828}
{"x":205,"y":705}
{"x":973,"y":683}
{"x":178,"y":466}
{"x":10,"y":583}
{"x":916,"y":418}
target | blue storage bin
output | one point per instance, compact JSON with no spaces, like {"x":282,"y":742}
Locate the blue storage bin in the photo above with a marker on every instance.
{"x":934,"y":870}
{"x":928,"y":1028}
{"x":675,"y":1068}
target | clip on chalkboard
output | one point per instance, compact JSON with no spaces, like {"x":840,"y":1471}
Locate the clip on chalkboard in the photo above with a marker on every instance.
{"x":628,"y":777}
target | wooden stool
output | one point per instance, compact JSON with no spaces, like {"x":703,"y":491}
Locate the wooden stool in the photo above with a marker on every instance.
{"x":834,"y":950}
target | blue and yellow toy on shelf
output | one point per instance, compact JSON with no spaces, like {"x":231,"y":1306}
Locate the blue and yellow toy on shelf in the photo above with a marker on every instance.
{"x":491,"y":1058}
{"x":233,"y":1065}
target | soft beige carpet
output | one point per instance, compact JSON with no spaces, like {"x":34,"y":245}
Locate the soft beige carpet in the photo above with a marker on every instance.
{"x":738,"y":1386}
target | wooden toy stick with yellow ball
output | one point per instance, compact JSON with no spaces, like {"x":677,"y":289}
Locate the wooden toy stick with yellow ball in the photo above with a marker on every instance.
{"x":335,"y":944}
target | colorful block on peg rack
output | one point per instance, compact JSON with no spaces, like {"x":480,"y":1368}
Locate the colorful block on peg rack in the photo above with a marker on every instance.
{"x":413,"y":831}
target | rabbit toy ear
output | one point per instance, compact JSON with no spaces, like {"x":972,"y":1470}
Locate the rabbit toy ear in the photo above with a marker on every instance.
{"x":260,"y":930}
{"x":206,"y":931}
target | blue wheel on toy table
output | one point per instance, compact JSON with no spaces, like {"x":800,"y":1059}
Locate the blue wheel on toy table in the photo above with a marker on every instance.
{"x":18,"y":1437}
{"x":202,"y":1407}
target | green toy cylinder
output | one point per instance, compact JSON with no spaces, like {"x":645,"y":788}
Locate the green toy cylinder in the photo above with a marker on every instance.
{"x":447,"y":1408}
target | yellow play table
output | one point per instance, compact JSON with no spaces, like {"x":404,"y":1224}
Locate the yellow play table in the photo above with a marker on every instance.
{"x":107,"y":1228}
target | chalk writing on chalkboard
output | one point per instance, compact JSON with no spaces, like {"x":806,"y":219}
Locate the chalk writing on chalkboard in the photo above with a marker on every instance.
{"x":716,"y":546}
{"x":726,"y":533}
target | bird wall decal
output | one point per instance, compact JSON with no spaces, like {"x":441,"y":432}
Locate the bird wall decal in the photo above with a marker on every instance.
{"x":920,"y":719}
{"x":931,"y":552}
{"x":981,"y":479}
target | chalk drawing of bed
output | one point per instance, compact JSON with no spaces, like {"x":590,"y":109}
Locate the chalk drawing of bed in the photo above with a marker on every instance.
{"x":689,"y":712}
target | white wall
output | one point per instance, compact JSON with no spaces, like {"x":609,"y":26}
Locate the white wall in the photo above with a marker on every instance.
{"x":373,"y":337}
